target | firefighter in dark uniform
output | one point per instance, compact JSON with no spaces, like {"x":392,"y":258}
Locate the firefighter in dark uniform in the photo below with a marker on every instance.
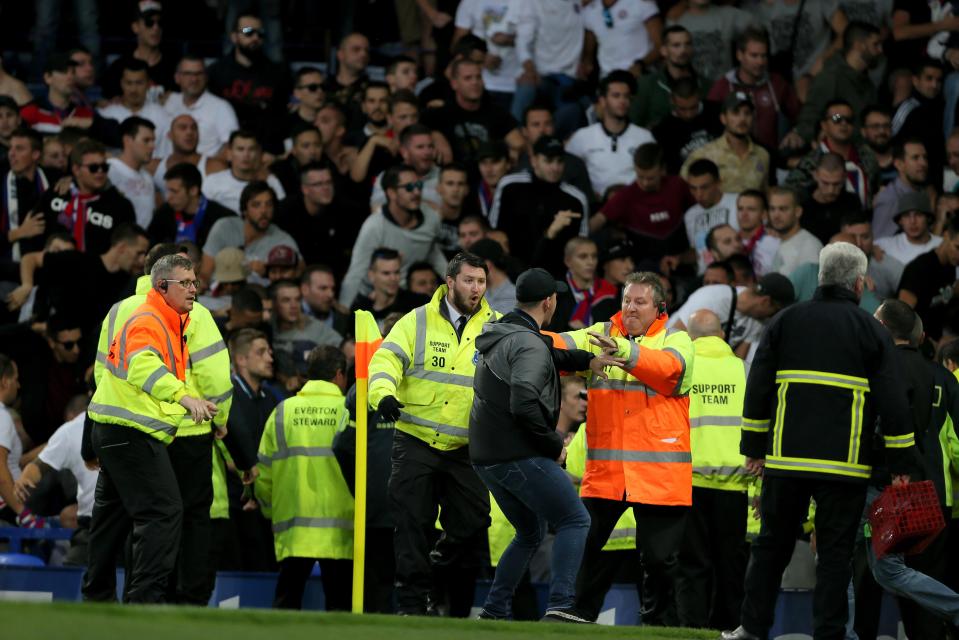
{"x":824,"y":371}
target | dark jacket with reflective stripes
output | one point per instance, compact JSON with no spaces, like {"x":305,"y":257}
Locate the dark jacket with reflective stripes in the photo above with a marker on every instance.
{"x":823,"y":372}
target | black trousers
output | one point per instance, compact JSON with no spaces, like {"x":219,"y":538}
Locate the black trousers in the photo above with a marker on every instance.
{"x":659,"y":532}
{"x":136,"y":485}
{"x":712,"y":560}
{"x":336,"y":575}
{"x":422,"y":479}
{"x":192,"y":460}
{"x":255,"y":540}
{"x":379,"y":571}
{"x":783,"y":504}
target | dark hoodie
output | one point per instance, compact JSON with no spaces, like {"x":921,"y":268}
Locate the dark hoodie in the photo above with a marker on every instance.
{"x":517,"y":391}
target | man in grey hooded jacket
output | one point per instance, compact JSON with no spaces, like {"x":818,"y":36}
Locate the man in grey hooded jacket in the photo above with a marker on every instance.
{"x":515,"y":449}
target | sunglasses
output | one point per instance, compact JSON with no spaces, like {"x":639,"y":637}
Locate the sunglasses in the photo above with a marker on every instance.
{"x":149,"y":23}
{"x":313,"y":87}
{"x":411,"y":186}
{"x":249,"y":32}
{"x":97,"y":167}
{"x":838,"y":118}
{"x":69,"y":345}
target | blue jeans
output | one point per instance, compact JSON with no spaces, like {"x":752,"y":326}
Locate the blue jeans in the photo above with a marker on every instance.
{"x":892,"y":574}
{"x":550,"y":87}
{"x":533,"y":492}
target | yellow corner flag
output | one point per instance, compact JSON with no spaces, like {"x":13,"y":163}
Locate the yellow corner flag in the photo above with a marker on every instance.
{"x":368,"y":339}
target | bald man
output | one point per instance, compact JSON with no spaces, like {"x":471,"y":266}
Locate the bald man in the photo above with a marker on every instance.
{"x":712,"y":558}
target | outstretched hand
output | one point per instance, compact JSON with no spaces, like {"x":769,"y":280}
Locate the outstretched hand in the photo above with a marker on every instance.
{"x":606,"y":343}
{"x":598,"y":364}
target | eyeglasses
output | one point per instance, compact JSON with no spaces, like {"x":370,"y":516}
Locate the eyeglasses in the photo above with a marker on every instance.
{"x":313,"y":87}
{"x":186,"y":284}
{"x":838,"y":118}
{"x":69,"y":345}
{"x":249,"y":32}
{"x":149,"y":23}
{"x":97,"y":167}
{"x":410,"y":187}
{"x":607,"y":17}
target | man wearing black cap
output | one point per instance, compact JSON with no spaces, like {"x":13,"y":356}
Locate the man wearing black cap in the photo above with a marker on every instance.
{"x":493,"y":160}
{"x":515,"y":449}
{"x":914,"y":215}
{"x":147,"y":26}
{"x":537,"y":211}
{"x":500,"y":290}
{"x":538,"y":122}
{"x":742,"y":163}
{"x":616,"y":261}
{"x":58,"y":109}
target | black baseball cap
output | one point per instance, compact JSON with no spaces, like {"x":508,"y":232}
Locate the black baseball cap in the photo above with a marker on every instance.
{"x":58,"y":62}
{"x":736,"y":98}
{"x":492,"y":149}
{"x":9,"y":103}
{"x":778,"y":287}
{"x":549,"y":146}
{"x":488,"y":249}
{"x":537,"y":284}
{"x":617,"y":251}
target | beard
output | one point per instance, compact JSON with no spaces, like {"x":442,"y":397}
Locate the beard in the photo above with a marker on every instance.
{"x":253,"y":53}
{"x":462,"y":302}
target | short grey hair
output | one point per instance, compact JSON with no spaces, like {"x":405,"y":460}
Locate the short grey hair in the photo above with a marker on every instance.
{"x":164,"y":267}
{"x":842,"y":264}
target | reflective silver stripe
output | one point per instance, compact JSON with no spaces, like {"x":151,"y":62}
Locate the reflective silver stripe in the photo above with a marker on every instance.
{"x":824,"y":378}
{"x":441,"y":377}
{"x":621,"y":385}
{"x":396,"y":350}
{"x":633,"y":358}
{"x":123,"y":337}
{"x":720,"y":471}
{"x":619,"y":534}
{"x":223,"y":397}
{"x":125,"y":414}
{"x":435,"y":426}
{"x":419,"y":350}
{"x":313,"y":523}
{"x":855,"y":470}
{"x":102,"y":358}
{"x":568,"y":341}
{"x":278,"y":425}
{"x":206,"y":352}
{"x":111,"y":323}
{"x":306,"y":452}
{"x":639,"y":456}
{"x":382,"y":374}
{"x":264,"y":459}
{"x":682,"y":373}
{"x":154,"y":377}
{"x":141,"y":350}
{"x":715,"y":421}
{"x":607,"y":328}
{"x":116,"y":371}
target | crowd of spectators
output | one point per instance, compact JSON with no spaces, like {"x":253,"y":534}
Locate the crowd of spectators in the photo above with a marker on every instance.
{"x":715,"y":143}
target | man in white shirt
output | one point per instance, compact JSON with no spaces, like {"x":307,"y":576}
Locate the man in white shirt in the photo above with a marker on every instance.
{"x":128,"y":172}
{"x":712,"y":208}
{"x":214,"y":115}
{"x":11,"y":448}
{"x":246,"y":163}
{"x":914,"y":216}
{"x":183,"y":136}
{"x":796,"y":245}
{"x":607,"y":147}
{"x":483,"y":18}
{"x":134,"y":85}
{"x":627,"y":32}
{"x":549,"y":47}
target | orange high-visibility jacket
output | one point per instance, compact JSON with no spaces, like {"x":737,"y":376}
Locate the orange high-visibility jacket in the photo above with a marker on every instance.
{"x":637,"y":422}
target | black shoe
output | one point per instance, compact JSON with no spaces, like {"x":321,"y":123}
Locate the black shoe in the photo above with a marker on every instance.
{"x":564,"y":615}
{"x":483,"y":615}
{"x":738,"y":634}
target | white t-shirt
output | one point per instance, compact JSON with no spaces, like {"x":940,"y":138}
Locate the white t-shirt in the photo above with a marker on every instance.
{"x":699,"y":221}
{"x":10,"y":440}
{"x":215,"y":119}
{"x":899,"y":247}
{"x":620,"y":32}
{"x":136,"y":186}
{"x":63,"y":452}
{"x":798,"y":250}
{"x":150,"y":110}
{"x":548,"y":32}
{"x":163,"y":167}
{"x":717,"y":298}
{"x":764,"y":254}
{"x":609,"y":160}
{"x":483,"y":18}
{"x":223,"y":188}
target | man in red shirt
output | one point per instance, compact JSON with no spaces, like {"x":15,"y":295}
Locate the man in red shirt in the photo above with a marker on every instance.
{"x":651,"y":211}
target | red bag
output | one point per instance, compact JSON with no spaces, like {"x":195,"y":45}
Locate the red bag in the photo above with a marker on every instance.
{"x":905,"y":519}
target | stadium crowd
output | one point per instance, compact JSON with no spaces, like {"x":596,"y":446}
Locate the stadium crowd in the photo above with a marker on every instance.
{"x":718,"y":145}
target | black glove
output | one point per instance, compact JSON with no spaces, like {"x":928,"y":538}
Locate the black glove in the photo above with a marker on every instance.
{"x":390,"y":409}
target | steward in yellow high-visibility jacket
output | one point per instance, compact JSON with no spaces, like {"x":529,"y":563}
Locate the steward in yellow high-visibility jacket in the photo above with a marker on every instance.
{"x":207,"y":376}
{"x":712,"y":559}
{"x":302,"y":490}
{"x":422,"y":377}
{"x":140,"y":400}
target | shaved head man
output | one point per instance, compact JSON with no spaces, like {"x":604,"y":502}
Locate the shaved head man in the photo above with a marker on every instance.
{"x":705,"y":323}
